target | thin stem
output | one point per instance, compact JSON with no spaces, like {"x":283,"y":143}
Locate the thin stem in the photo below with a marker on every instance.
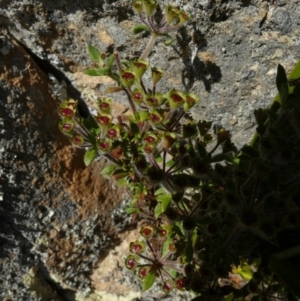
{"x":164,"y":160}
{"x":216,"y":146}
{"x":153,"y":161}
{"x":287,"y":253}
{"x":232,"y":238}
{"x":167,"y":273}
{"x":143,"y":86}
{"x":184,"y":209}
{"x":127,"y":91}
{"x":154,"y":89}
{"x":177,"y":120}
{"x":147,"y":258}
{"x":149,"y":46}
{"x":173,"y":265}
{"x":254,"y":192}
{"x":84,"y":131}
{"x":292,"y":181}
{"x":173,"y":171}
{"x":152,"y":250}
{"x":174,"y":164}
{"x":243,"y":185}
{"x":132,"y":105}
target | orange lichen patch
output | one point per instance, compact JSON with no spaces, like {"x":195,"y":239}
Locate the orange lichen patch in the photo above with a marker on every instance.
{"x":84,"y":185}
{"x":110,"y":268}
{"x":88,"y":189}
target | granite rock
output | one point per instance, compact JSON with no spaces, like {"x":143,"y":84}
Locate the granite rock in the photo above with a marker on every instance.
{"x":49,"y":202}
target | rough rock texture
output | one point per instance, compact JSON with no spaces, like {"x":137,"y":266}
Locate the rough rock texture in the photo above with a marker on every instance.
{"x":57,"y":218}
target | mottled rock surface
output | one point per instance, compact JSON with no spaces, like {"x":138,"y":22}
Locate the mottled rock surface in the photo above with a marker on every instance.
{"x":54,"y":212}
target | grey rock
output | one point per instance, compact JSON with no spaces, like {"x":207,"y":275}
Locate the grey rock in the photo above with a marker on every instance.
{"x":232,"y":51}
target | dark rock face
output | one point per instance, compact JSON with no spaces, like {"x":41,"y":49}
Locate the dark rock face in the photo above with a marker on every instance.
{"x":55,"y":212}
{"x":49,"y":202}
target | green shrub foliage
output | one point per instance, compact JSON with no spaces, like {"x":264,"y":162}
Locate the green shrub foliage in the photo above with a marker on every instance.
{"x":208,"y":209}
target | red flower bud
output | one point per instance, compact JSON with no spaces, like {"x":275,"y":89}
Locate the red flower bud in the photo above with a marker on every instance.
{"x":147,"y":231}
{"x":143,"y":272}
{"x":168,"y":286}
{"x":137,"y":247}
{"x":131,"y":262}
{"x":180,"y":283}
{"x":77,"y":140}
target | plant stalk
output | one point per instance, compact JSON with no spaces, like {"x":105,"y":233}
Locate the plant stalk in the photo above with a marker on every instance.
{"x":149,"y":46}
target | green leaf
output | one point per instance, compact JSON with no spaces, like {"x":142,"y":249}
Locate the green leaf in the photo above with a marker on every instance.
{"x":97,"y":72}
{"x":94,"y":53}
{"x":250,"y":151}
{"x":158,"y":210}
{"x":165,"y":200}
{"x":276,"y":102}
{"x":90,"y":123}
{"x":108,"y":170}
{"x":144,"y":115}
{"x":281,"y":78}
{"x":132,"y":210}
{"x":139,"y":28}
{"x":89,"y":156}
{"x":149,"y":280}
{"x":134,"y":128}
{"x":166,"y":244}
{"x":122,"y":183}
{"x":288,"y":271}
{"x":201,"y":150}
{"x":169,"y":40}
{"x":159,"y":191}
{"x":110,"y":61}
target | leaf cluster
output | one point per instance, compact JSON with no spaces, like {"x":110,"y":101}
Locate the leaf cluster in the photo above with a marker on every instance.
{"x":208,"y":209}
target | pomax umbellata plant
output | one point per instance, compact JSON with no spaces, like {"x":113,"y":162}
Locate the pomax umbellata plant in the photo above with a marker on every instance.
{"x":208,"y":209}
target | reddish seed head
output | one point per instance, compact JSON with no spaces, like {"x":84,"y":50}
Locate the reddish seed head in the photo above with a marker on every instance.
{"x":143,"y":272}
{"x":137,"y":96}
{"x":177,"y":98}
{"x":67,"y":112}
{"x":112,"y":133}
{"x":150,"y":139}
{"x":140,"y":65}
{"x":147,"y":231}
{"x":77,"y":140}
{"x":167,"y":286}
{"x":131,"y":263}
{"x":136,"y":247}
{"x":67,"y":127}
{"x":104,"y":145}
{"x":104,"y":119}
{"x":104,"y":105}
{"x":154,"y":118}
{"x":148,"y":149}
{"x":127,"y":76}
{"x":190,"y":99}
{"x":152,"y":100}
{"x":180,"y":283}
{"x":163,"y":232}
